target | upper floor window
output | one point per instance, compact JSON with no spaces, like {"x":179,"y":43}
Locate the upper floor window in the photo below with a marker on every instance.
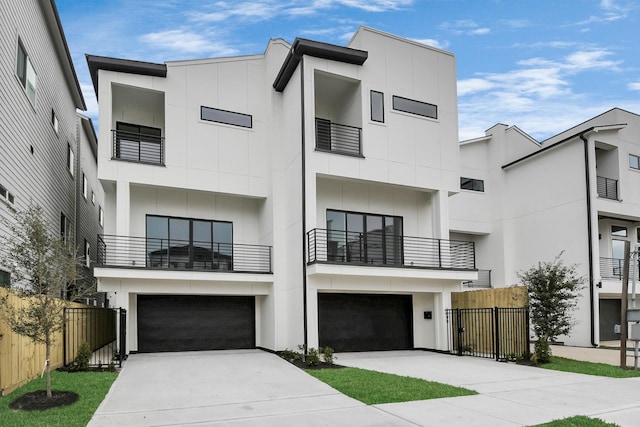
{"x":471,"y":184}
{"x":64,"y":227}
{"x":26,"y":73}
{"x":85,"y":186}
{"x":54,"y":121}
{"x":100,"y":216}
{"x":377,"y":106}
{"x":415,"y":107}
{"x":93,"y":197}
{"x":70,"y":160}
{"x":227,"y":117}
{"x":634,"y":161}
{"x":619,"y":231}
{"x":6,"y":195}
{"x":87,"y":253}
{"x":5,"y":279}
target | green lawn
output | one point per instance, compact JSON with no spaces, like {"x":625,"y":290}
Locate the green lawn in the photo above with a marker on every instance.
{"x":578,"y":421}
{"x":90,"y":386}
{"x":373,"y":387}
{"x":590,"y":368}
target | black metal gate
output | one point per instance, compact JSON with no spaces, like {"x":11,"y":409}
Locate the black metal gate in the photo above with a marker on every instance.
{"x":104,"y":329}
{"x":493,"y":333}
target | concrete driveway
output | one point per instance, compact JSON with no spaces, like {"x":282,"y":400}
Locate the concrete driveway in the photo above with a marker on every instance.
{"x":235,"y":388}
{"x":252,"y":387}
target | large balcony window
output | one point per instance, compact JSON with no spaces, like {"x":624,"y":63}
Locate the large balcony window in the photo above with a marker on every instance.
{"x":137,"y":143}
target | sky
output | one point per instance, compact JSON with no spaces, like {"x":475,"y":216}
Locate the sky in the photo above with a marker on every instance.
{"x":541,"y":65}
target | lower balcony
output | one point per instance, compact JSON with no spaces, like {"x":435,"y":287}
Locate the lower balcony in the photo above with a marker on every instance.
{"x":483,"y":281}
{"x":173,"y":254}
{"x":613,"y":269}
{"x":378,"y":248}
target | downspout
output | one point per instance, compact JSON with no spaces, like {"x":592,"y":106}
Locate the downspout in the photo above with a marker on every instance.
{"x":589,"y":236}
{"x":304,"y":208}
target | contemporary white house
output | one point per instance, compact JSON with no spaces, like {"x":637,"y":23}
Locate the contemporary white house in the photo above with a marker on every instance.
{"x":576,"y":193}
{"x":46,"y":149}
{"x":299,"y":196}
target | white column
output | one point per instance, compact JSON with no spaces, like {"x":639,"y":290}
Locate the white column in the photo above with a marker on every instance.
{"x":442,"y":301}
{"x":123,"y":208}
{"x":441,"y":214}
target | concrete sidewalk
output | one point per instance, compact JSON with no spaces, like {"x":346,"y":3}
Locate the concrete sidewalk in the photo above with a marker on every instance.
{"x":610,"y":356}
{"x":510,"y":395}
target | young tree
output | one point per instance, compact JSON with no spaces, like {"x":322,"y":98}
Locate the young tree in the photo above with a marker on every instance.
{"x":42,"y":267}
{"x":553,"y":291}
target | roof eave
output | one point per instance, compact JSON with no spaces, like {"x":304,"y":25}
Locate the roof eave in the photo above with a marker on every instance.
{"x":96,"y":63}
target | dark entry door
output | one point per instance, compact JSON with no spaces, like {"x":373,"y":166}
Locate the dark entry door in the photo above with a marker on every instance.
{"x":195,"y":322}
{"x":609,"y":317}
{"x":365,"y":322}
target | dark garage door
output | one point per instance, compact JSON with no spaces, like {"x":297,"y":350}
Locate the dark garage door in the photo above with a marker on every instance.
{"x":195,"y":322}
{"x":357,"y":322}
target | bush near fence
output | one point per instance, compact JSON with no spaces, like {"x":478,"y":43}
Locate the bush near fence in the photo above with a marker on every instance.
{"x":480,"y":326}
{"x":20,"y":359}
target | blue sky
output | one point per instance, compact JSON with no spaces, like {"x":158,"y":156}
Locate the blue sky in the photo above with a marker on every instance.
{"x":542,"y":65}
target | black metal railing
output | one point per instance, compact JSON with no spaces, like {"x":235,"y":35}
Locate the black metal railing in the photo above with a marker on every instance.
{"x":375,"y":248}
{"x":608,"y":188}
{"x":103,"y":329}
{"x":336,"y":138}
{"x":494,"y":333}
{"x":138,"y":147}
{"x":613,"y":268}
{"x":174,"y":254}
{"x":483,"y":281}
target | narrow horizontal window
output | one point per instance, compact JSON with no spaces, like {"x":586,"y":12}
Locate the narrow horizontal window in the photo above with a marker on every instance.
{"x":619,"y":231}
{"x":377,"y":106}
{"x":415,"y":107}
{"x":634,"y":161}
{"x":227,"y":117}
{"x":471,"y":184}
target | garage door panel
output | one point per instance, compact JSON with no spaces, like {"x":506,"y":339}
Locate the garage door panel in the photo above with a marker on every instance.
{"x":365,"y":322}
{"x":195,"y":322}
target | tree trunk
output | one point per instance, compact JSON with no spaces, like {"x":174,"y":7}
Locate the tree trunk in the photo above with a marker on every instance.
{"x":48,"y":366}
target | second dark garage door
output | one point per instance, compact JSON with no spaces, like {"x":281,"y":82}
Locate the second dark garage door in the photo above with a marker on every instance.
{"x":365,"y":322}
{"x":195,"y":322}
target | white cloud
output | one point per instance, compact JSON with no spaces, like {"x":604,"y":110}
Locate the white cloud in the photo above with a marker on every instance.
{"x":186,"y":41}
{"x":475,"y":85}
{"x":611,"y":11}
{"x":465,"y":27}
{"x":432,"y":42}
{"x":634,"y":86}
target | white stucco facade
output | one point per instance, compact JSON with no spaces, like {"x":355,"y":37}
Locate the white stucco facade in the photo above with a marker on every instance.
{"x":275,"y":177}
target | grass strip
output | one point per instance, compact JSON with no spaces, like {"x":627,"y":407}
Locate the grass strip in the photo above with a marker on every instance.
{"x":373,"y":387}
{"x":91,"y":387}
{"x":589,"y":368}
{"x":578,"y":421}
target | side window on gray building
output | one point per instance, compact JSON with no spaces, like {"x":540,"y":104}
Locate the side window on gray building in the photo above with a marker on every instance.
{"x":26,"y":73}
{"x":377,"y":106}
{"x":415,"y":107}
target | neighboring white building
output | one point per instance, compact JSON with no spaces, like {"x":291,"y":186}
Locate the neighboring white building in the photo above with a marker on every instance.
{"x":296,"y":196}
{"x":44,"y":144}
{"x":575,"y":193}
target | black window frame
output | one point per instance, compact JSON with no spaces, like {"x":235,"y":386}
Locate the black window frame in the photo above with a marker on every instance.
{"x":472,"y":184}
{"x":228,"y":114}
{"x":415,"y":112}
{"x":371,"y":101}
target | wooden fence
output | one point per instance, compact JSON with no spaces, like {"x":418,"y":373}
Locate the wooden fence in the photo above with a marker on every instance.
{"x":513,"y":297}
{"x":20,"y":359}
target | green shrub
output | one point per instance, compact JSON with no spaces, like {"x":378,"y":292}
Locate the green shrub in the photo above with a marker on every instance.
{"x":290,"y":355}
{"x":327,"y":354}
{"x":83,"y":357}
{"x":312,"y":358}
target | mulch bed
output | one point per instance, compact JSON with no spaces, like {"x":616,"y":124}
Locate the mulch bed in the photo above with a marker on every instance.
{"x":321,"y":365}
{"x":38,"y":401}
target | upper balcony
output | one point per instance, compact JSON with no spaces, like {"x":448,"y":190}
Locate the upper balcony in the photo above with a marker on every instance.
{"x":174,"y":254}
{"x":375,"y":248}
{"x":138,"y":147}
{"x":613,"y":269}
{"x":608,"y":188}
{"x":337,"y":138}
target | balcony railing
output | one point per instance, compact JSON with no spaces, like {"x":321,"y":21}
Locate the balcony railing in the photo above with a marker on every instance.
{"x":376,"y":248}
{"x":483,"y":282}
{"x":138,"y":147}
{"x":613,"y":268}
{"x":608,"y":188}
{"x":173,"y":254}
{"x":335,"y":138}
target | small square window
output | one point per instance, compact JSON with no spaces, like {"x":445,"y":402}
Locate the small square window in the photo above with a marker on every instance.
{"x":634,"y":161}
{"x":618,"y":231}
{"x":471,"y":184}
